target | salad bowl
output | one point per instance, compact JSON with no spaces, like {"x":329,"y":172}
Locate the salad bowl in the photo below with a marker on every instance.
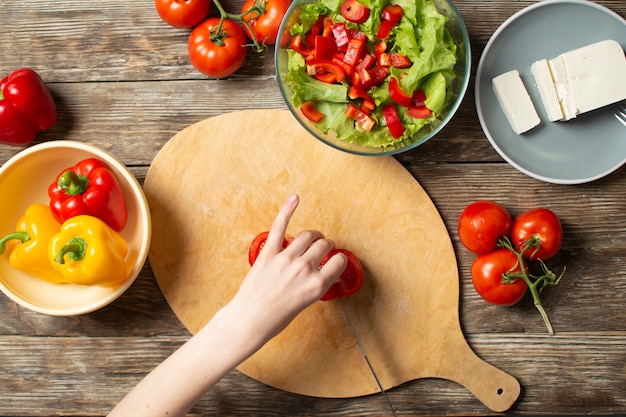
{"x":347,"y":110}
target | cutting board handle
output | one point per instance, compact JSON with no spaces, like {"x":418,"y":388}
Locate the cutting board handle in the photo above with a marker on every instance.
{"x":492,"y":386}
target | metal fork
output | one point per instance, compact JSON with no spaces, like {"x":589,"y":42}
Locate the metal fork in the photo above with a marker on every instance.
{"x":620,"y":113}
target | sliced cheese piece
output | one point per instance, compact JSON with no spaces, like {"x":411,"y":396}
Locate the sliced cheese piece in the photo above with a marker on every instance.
{"x":547,"y":91}
{"x":559,"y":75}
{"x":515,"y":101}
{"x":596,"y":75}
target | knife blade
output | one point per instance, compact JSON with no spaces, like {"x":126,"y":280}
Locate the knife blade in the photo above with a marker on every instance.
{"x":367,"y":360}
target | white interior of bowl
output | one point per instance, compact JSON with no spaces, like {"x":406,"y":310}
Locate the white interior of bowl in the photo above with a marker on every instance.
{"x":24,"y":180}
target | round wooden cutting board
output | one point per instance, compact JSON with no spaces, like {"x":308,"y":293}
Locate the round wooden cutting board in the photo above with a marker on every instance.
{"x":219,"y":182}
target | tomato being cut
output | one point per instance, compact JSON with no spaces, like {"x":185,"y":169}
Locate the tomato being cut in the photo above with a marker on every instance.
{"x":217,"y":54}
{"x":350,"y":280}
{"x":487,"y":272}
{"x":481,"y":224}
{"x":265,"y":26}
{"x":182,"y":13}
{"x":542,"y":230}
{"x":257,"y":245}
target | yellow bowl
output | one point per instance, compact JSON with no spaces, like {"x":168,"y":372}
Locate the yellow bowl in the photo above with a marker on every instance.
{"x":24,"y":180}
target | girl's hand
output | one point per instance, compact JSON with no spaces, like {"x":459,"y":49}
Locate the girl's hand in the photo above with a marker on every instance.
{"x":283,"y":282}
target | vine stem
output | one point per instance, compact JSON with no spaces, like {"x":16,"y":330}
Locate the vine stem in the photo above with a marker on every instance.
{"x":258,"y":8}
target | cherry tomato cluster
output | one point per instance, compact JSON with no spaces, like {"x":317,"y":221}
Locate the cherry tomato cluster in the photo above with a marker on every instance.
{"x":350,"y":280}
{"x":217,"y":46}
{"x":506,"y":247}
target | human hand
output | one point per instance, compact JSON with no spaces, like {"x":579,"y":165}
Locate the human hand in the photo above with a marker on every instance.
{"x":283,"y":282}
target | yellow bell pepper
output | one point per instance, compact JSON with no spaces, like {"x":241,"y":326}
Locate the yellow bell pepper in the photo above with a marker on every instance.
{"x":88,"y":252}
{"x":28,"y":246}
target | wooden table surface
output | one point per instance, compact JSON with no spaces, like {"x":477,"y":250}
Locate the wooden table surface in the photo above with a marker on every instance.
{"x":122,"y":81}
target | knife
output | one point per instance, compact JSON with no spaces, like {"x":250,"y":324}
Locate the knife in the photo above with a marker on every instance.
{"x":367,"y":360}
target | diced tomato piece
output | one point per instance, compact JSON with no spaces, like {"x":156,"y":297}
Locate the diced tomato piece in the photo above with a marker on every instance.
{"x":367,"y":62}
{"x":297,"y":44}
{"x":340,"y":33}
{"x":397,"y":94}
{"x":399,"y":61}
{"x":366,"y":122}
{"x":325,"y":48}
{"x":419,"y":112}
{"x":392,"y":12}
{"x":354,"y":11}
{"x":394,"y":124}
{"x":354,"y":53}
{"x":311,"y":112}
{"x":356,"y":92}
{"x":419,"y":98}
{"x":326,"y":71}
{"x":368,"y":106}
{"x":384,"y":30}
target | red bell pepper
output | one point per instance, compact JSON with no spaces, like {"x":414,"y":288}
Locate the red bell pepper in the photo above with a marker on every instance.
{"x":398,"y":95}
{"x":394,"y":124}
{"x":26,"y":107}
{"x":90,"y":188}
{"x":311,"y":112}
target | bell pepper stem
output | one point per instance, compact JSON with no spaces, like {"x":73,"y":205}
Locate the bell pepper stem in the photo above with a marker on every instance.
{"x":75,"y":249}
{"x":22,"y":236}
{"x":73,"y":183}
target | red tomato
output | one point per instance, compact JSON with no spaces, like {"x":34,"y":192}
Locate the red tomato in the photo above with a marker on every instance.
{"x":265,"y":27}
{"x":481,"y":224}
{"x":543,"y":228}
{"x":217,"y":55}
{"x":354,"y":11}
{"x":350,"y":280}
{"x":182,"y":13}
{"x":257,"y":245}
{"x":487,"y":273}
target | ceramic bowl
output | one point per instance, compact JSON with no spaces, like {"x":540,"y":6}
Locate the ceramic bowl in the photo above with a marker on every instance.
{"x":455,"y":26}
{"x":24,"y":180}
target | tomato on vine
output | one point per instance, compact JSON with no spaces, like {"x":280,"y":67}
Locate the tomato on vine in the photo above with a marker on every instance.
{"x":481,"y":224}
{"x":217,"y":47}
{"x":540,"y":231}
{"x":488,"y":271}
{"x":182,"y":13}
{"x":264,"y":18}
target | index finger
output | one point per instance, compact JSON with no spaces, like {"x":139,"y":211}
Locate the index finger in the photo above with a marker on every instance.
{"x":279,"y":227}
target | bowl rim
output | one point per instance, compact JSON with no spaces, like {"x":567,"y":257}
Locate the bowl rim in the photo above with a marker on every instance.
{"x":144,"y":221}
{"x":444,"y":122}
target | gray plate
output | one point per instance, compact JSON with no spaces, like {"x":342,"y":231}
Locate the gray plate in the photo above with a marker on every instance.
{"x":580,"y":150}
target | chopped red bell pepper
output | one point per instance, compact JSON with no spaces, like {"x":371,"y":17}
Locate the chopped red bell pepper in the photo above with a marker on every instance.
{"x":366,"y":122}
{"x":341,"y":36}
{"x":377,"y":75}
{"x":298,"y":45}
{"x":397,"y":94}
{"x":394,"y":124}
{"x":325,"y":48}
{"x":354,"y":11}
{"x":90,"y":188}
{"x":326,"y":71}
{"x":419,"y":98}
{"x":356,"y":92}
{"x":399,"y":61}
{"x":311,"y":112}
{"x":367,"y":62}
{"x":354,"y":53}
{"x":26,"y":107}
{"x":419,"y":112}
{"x":392,"y":12}
{"x":384,"y":30}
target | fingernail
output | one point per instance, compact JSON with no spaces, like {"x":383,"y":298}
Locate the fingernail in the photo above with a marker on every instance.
{"x":292,"y":200}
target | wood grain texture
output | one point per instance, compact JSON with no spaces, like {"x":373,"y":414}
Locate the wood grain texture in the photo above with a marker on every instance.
{"x":122,"y":81}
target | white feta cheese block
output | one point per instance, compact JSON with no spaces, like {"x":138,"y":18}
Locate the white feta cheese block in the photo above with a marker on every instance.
{"x":547,"y":91}
{"x":515,"y":101}
{"x":561,"y":84}
{"x":596,"y":75}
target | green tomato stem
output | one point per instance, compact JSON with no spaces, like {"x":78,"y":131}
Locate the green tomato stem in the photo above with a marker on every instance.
{"x":534,"y":285}
{"x":218,"y":36}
